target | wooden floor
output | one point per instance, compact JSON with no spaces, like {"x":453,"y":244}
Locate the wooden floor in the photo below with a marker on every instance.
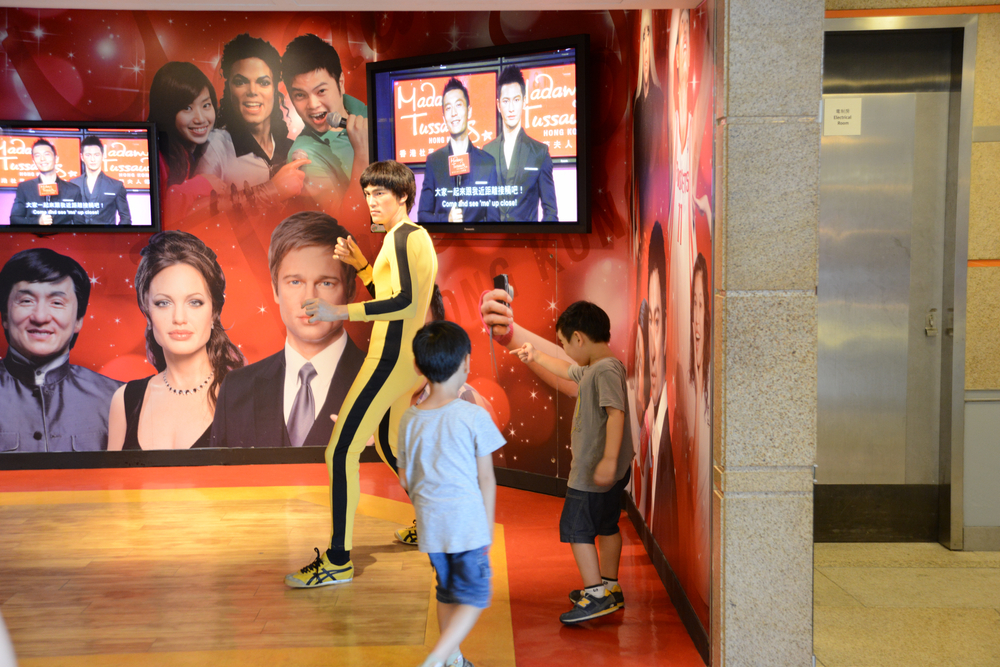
{"x":184,"y":566}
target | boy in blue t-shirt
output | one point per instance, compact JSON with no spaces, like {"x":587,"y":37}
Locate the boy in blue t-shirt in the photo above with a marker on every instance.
{"x":445,"y":463}
{"x":602,"y":454}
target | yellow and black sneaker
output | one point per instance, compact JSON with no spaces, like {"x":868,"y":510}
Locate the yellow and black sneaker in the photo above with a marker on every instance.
{"x":590,"y":606}
{"x":614,"y":589}
{"x":408,"y":535}
{"x":320,"y":572}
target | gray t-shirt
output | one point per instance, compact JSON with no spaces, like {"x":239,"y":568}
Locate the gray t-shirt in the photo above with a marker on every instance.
{"x":602,"y":385}
{"x":438,"y":450}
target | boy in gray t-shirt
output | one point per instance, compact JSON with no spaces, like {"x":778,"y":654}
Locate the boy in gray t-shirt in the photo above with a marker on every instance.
{"x":445,"y":462}
{"x":602,"y":453}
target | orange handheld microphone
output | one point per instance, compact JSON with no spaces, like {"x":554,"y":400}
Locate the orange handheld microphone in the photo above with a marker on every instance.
{"x":459,"y":165}
{"x":48,"y":189}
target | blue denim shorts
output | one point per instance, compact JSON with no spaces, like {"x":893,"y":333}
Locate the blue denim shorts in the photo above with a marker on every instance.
{"x":587,"y":514}
{"x":464,"y":578}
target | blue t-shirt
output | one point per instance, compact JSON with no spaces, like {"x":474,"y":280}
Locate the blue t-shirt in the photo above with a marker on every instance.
{"x":437,"y":453}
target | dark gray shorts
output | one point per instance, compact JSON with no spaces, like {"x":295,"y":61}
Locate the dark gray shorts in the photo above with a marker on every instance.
{"x":587,"y":514}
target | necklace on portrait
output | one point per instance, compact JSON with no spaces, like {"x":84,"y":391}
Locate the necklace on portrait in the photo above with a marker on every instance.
{"x":183,"y":392}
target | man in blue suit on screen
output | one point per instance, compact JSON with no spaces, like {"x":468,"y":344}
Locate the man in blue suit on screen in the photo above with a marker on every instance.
{"x":460,"y":180}
{"x":522,"y":162}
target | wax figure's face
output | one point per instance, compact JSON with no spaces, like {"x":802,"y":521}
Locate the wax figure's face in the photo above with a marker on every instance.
{"x":45,"y":158}
{"x":307,"y":273}
{"x":315,"y":95}
{"x":41,"y":318}
{"x":93,"y":158}
{"x":197,"y":119}
{"x":252,"y":83}
{"x":180,"y":310}
{"x":657,"y":363}
{"x":456,"y":113}
{"x":510,"y":105}
{"x":383,"y":205}
{"x":698,"y":320}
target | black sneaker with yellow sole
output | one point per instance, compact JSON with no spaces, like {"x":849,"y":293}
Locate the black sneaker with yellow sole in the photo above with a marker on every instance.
{"x":614,"y":589}
{"x":588,"y":607}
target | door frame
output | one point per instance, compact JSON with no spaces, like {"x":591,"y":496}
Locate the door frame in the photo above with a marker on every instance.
{"x":951,"y":451}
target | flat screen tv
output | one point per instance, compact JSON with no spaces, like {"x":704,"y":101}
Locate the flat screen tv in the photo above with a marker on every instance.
{"x":497,"y":137}
{"x":86,"y":176}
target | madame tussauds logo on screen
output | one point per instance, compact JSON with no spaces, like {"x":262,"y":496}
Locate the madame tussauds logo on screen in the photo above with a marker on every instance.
{"x":550,"y":108}
{"x":118,"y":149}
{"x":12,"y":151}
{"x":425,"y":96}
{"x":128,"y":163}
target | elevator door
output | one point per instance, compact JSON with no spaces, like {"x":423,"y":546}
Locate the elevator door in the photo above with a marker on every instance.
{"x":886,"y":216}
{"x":882,"y":216}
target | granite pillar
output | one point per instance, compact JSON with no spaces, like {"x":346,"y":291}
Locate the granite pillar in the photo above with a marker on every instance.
{"x":769,"y":58}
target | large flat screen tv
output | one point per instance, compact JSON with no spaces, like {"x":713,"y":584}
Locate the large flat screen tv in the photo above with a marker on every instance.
{"x":497,"y":137}
{"x":78,"y":177}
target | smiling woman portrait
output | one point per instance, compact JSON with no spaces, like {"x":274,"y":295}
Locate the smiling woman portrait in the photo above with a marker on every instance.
{"x":180,"y":288}
{"x":183,"y":105}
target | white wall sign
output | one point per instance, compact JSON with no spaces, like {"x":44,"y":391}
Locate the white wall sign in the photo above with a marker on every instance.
{"x":842,"y":116}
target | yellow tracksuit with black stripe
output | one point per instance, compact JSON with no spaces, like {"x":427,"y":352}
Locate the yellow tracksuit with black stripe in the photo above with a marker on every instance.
{"x":401,"y":280}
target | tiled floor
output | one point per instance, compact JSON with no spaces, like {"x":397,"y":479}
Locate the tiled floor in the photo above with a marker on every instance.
{"x":912,"y":605}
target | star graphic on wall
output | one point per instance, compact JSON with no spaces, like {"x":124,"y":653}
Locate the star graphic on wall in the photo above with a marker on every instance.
{"x":487,"y":135}
{"x":94,"y":280}
{"x":534,"y":395}
{"x":262,"y":310}
{"x":118,"y":320}
{"x":511,"y":432}
{"x":552,"y":305}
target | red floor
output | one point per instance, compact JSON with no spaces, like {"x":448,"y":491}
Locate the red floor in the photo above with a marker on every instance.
{"x":540,"y":569}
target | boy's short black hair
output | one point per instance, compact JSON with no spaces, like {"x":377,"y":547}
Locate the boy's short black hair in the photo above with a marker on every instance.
{"x":394,"y":177}
{"x":308,"y":53}
{"x":439,"y":349}
{"x":587,"y":318}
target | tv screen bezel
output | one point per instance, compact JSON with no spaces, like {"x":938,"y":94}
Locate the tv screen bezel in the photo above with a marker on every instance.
{"x":154,"y":176}
{"x":581,"y":44}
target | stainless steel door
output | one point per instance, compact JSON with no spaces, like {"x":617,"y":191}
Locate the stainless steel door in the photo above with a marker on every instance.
{"x":882,"y":219}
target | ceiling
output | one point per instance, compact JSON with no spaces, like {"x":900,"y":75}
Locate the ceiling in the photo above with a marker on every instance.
{"x":346,"y":5}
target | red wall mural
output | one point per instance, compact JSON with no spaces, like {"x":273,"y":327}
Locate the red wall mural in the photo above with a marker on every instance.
{"x":652,"y":88}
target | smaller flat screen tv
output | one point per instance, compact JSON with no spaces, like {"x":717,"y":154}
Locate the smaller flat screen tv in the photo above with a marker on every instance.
{"x":489,"y":155}
{"x":79,"y":177}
